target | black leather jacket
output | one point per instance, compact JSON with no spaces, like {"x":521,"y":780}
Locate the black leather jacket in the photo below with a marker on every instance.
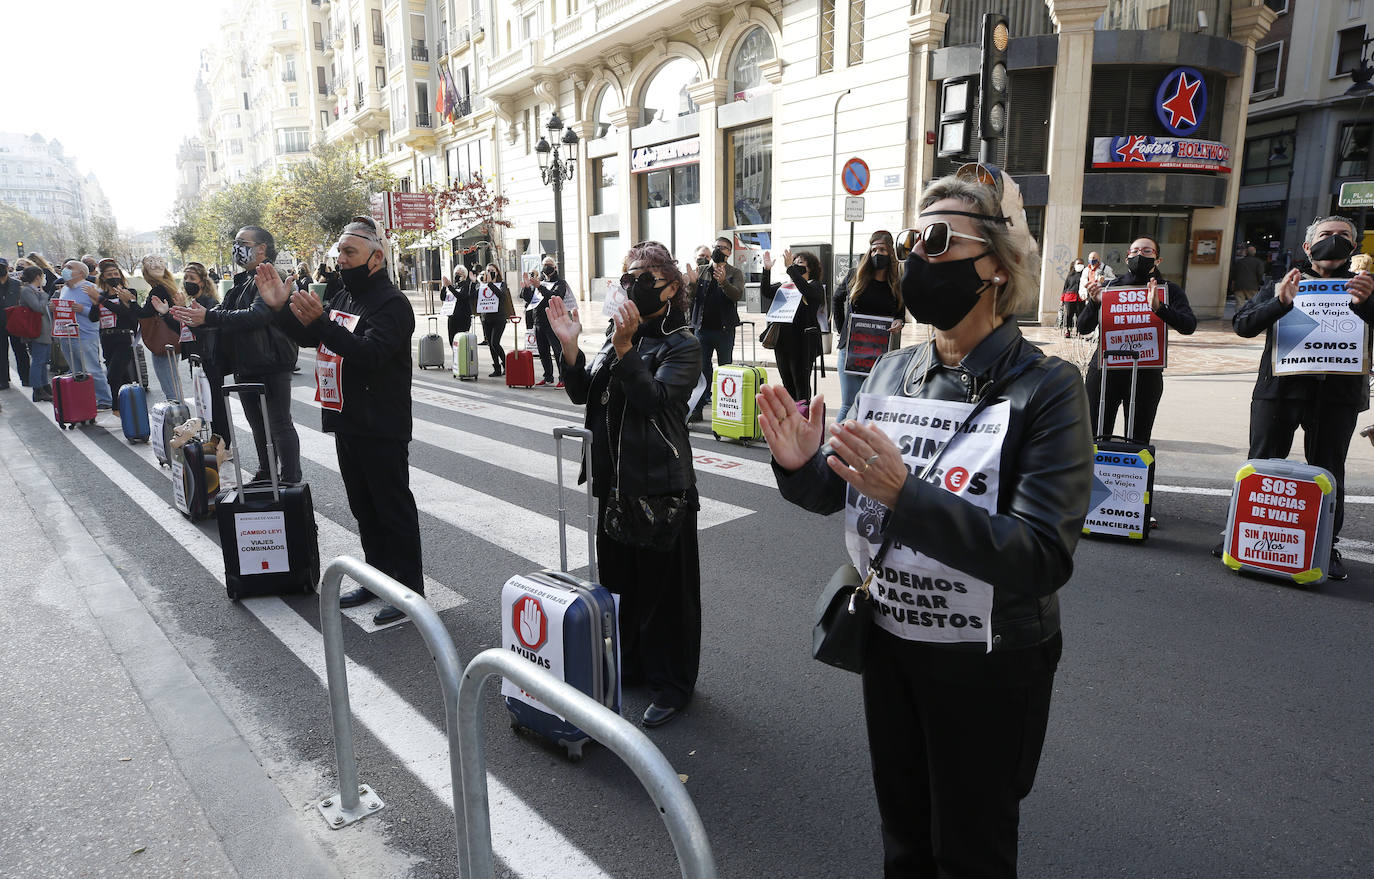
{"x":248,"y":343}
{"x":1025,"y":550}
{"x":637,"y":409}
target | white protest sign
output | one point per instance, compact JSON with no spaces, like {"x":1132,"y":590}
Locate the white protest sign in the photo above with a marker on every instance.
{"x":1120,"y":492}
{"x":729,"y":395}
{"x":1321,"y":334}
{"x":261,"y":541}
{"x":532,"y":627}
{"x":614,"y":298}
{"x":178,"y":464}
{"x":917,"y":597}
{"x":785,"y":303}
{"x":487,"y":300}
{"x":450,"y":304}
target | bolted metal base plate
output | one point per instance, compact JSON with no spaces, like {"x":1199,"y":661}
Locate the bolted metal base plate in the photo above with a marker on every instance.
{"x":332,"y":810}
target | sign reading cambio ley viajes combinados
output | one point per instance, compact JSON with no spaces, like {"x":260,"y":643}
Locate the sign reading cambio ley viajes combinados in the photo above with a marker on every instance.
{"x":1276,"y":521}
{"x":1129,"y":322}
{"x":1321,"y":334}
{"x":261,"y":539}
{"x":532,"y":627}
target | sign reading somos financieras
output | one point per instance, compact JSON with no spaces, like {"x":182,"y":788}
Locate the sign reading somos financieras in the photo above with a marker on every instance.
{"x":1128,"y":322}
{"x":1276,"y":522}
{"x":1321,"y":335}
{"x":1120,"y":494}
{"x":1146,"y":152}
{"x":869,"y":337}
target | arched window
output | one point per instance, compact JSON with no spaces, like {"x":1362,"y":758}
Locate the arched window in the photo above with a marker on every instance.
{"x":666,"y":95}
{"x":607,"y":103}
{"x":746,"y":79}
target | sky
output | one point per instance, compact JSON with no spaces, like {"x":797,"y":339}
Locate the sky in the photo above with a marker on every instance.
{"x":115,"y":83}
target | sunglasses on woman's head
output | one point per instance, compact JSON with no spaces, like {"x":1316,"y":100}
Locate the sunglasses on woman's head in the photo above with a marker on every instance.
{"x":937,"y":237}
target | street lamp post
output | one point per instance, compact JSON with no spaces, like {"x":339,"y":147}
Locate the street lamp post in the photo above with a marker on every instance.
{"x":555,"y":169}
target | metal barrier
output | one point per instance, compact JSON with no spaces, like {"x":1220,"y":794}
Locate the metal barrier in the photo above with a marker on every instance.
{"x":354,"y":801}
{"x":610,"y":729}
{"x":586,"y":436}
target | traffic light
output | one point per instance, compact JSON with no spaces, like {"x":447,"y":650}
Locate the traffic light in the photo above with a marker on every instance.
{"x":992,"y":82}
{"x":19,"y":248}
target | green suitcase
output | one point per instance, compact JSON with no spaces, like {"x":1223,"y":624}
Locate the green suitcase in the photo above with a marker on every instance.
{"x":734,"y":413}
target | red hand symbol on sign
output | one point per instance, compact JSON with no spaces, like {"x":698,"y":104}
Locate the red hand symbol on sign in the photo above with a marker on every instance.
{"x":530,"y":624}
{"x":956,"y":479}
{"x":727,"y":386}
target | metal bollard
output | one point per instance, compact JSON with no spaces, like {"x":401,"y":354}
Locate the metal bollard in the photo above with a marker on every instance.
{"x":610,"y":729}
{"x":354,"y":801}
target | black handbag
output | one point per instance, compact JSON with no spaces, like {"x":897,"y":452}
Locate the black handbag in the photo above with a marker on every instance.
{"x":844,"y":611}
{"x":648,"y":521}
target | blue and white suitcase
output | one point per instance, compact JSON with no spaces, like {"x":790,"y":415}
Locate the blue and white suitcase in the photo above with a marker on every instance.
{"x":565,"y":625}
{"x":133,"y":404}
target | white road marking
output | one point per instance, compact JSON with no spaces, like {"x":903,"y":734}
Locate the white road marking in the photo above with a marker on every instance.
{"x":524,"y":841}
{"x":1360,"y":499}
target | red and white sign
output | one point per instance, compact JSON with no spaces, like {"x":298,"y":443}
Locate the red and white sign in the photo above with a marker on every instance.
{"x":529,"y":622}
{"x":261,"y":541}
{"x":532,"y":627}
{"x":1145,"y":152}
{"x":64,"y":319}
{"x":854,"y":177}
{"x":1276,"y":523}
{"x":329,"y":367}
{"x":107,"y":318}
{"x":1129,"y":322}
{"x":729,"y":400}
{"x":403,"y":210}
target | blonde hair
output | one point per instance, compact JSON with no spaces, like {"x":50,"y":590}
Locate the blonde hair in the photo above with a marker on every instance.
{"x":164,"y":279}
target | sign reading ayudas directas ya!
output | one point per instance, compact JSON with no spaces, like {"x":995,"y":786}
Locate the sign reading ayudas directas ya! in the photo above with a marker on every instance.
{"x":1321,"y":335}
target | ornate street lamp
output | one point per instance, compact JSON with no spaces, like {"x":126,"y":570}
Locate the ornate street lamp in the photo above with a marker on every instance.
{"x":555,"y":168}
{"x":1363,"y":73}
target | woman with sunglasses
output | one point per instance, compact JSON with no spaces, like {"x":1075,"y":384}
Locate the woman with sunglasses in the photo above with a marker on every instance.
{"x":1167,"y":300}
{"x":798,"y":341}
{"x":636,"y":392}
{"x":872,"y":289}
{"x":967,"y":471}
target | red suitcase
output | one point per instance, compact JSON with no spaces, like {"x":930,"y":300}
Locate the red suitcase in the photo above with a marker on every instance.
{"x":519,"y":364}
{"x":73,"y":395}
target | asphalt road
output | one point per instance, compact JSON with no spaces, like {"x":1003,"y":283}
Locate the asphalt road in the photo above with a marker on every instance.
{"x":1203,"y":724}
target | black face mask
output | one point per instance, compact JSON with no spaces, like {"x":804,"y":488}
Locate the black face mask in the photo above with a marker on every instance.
{"x":355,"y":277}
{"x":1331,"y":247}
{"x":550,"y":272}
{"x":881,"y":262}
{"x":718,"y":255}
{"x":1140,"y":266}
{"x":645,"y":295}
{"x":192,"y":288}
{"x":796,"y":273}
{"x":942,"y":294}
{"x":703,"y":262}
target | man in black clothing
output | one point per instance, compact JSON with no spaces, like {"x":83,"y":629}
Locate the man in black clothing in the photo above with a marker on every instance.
{"x":1324,"y":405}
{"x":1247,"y":276}
{"x":363,"y":370}
{"x":550,"y":349}
{"x":716,"y":287}
{"x":9,"y":296}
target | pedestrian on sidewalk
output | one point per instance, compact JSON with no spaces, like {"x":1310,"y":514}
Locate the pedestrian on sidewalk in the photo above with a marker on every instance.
{"x":1325,"y":406}
{"x":1167,"y":300}
{"x":32,"y":296}
{"x":1070,"y":302}
{"x":76,"y":288}
{"x":637,"y":392}
{"x":796,"y":343}
{"x":364,"y":351}
{"x":1247,"y":276}
{"x":873,"y":289}
{"x":956,"y":710}
{"x":10,"y":286}
{"x":1097,"y":272}
{"x":716,"y":287}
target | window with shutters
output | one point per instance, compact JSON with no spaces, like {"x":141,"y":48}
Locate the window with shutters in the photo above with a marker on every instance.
{"x":1346,"y":57}
{"x":1025,"y":18}
{"x":1267,"y":62}
{"x":856,"y":32}
{"x":826,"y":57}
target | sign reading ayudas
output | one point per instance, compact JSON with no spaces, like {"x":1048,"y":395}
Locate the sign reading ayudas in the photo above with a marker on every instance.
{"x":1321,"y":334}
{"x":532,"y":627}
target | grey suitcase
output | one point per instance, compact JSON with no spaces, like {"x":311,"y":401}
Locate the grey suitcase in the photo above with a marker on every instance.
{"x":166,"y":417}
{"x":432,"y":347}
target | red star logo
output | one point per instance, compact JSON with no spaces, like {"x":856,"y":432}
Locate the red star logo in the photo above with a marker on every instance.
{"x":1180,"y":106}
{"x":1133,"y":149}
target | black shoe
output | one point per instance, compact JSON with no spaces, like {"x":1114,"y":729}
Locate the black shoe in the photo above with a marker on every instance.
{"x":355,"y":597}
{"x":1219,"y":549}
{"x":695,"y":417}
{"x":1336,"y":568}
{"x":5,"y":386}
{"x":657,"y":715}
{"x":496,"y":374}
{"x":387,"y":614}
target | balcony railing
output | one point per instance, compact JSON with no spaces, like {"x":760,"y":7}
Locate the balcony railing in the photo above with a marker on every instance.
{"x":393,"y":59}
{"x":358,"y":103}
{"x":289,"y":76}
{"x":319,"y":45}
{"x":419,"y":52}
{"x":424,"y":120}
{"x":378,"y":40}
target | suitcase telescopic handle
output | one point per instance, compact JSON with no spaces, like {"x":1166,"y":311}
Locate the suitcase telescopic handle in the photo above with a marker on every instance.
{"x":261,"y":391}
{"x":176,"y":376}
{"x":585,"y":435}
{"x":1134,"y":356}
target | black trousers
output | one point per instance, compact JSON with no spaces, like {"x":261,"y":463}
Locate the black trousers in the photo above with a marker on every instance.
{"x":286,"y":442}
{"x":21,"y":355}
{"x":954,"y":754}
{"x":494,"y":326}
{"x":660,"y":610}
{"x":376,"y":477}
{"x":1326,"y":431}
{"x":793,"y":353}
{"x":457,"y":323}
{"x":550,"y":349}
{"x":1149,"y":390}
{"x":118,"y":349}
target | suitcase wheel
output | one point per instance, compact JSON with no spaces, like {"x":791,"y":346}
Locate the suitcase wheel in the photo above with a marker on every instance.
{"x":574,"y":750}
{"x":714,"y":434}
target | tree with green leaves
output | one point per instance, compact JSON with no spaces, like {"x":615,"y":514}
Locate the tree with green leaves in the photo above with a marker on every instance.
{"x":316,"y":198}
{"x":229,"y":210}
{"x":181,"y":232}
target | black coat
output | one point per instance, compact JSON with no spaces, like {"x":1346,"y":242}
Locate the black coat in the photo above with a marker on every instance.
{"x":1177,"y":314}
{"x":637,"y":409}
{"x":803,"y":327}
{"x":247,"y":341}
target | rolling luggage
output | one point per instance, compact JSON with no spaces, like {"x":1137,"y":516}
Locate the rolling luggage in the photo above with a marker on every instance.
{"x":133,"y":407}
{"x":734,"y":412}
{"x":267,"y":533}
{"x":73,"y":395}
{"x":432,"y":347}
{"x":140,"y":354}
{"x":563,"y":624}
{"x":201,"y":392}
{"x":1123,"y":471}
{"x":166,"y":417}
{"x":1280,"y":522}
{"x":519,"y":364}
{"x":195,"y":470}
{"x":465,"y":356}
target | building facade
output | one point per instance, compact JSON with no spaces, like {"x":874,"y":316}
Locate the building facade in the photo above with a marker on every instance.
{"x":1307,"y":133}
{"x":40,"y":179}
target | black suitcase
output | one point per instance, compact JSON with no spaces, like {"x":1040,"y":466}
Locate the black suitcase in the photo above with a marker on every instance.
{"x":267,"y":533}
{"x":1123,"y":471}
